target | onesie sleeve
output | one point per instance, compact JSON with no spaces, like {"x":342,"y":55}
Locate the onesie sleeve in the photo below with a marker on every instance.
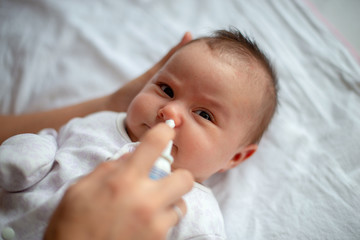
{"x":25,"y":159}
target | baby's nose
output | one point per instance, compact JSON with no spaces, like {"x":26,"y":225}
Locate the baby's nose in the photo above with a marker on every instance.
{"x":170,"y":111}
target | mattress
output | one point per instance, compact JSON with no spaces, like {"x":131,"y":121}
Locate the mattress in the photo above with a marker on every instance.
{"x":304,"y":180}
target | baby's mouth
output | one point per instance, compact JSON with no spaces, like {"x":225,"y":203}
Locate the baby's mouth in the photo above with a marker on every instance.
{"x":131,"y":134}
{"x":174,"y":150}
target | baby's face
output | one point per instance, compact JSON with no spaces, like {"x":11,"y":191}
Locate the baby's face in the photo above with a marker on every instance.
{"x":209,"y":101}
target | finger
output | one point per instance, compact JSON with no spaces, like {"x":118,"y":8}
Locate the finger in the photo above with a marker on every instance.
{"x":152,"y":144}
{"x":103,"y":171}
{"x":185,"y":39}
{"x":180,"y":210}
{"x":171,"y":216}
{"x":99,"y":172}
{"x":181,"y":204}
{"x":174,"y":186}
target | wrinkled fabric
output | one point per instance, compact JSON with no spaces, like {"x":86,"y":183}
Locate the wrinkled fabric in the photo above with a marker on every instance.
{"x":304,"y":180}
{"x":36,"y":169}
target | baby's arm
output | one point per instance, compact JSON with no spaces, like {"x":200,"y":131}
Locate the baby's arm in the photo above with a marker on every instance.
{"x":25,"y":159}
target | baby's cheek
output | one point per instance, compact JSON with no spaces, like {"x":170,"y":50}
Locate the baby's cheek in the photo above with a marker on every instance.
{"x":144,"y":107}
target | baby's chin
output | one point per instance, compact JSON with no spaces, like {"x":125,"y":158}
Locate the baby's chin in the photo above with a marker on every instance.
{"x":198,"y":177}
{"x":131,"y":135}
{"x":174,"y":151}
{"x":176,"y":166}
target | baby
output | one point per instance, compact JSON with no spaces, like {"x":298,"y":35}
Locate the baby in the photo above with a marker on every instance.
{"x":221,"y":92}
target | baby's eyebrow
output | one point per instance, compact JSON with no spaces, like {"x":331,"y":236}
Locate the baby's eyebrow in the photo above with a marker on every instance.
{"x":164,"y":74}
{"x":214,"y":103}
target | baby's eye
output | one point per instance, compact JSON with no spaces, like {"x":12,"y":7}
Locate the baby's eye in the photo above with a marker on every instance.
{"x":204,"y":114}
{"x":167,"y":90}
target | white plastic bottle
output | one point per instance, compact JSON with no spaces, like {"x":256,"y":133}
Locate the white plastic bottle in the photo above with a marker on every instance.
{"x":162,"y":166}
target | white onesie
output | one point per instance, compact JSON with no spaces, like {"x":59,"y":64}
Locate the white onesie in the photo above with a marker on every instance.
{"x":36,"y":169}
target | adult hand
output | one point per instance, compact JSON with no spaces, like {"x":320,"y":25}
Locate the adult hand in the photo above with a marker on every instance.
{"x":119,"y":201}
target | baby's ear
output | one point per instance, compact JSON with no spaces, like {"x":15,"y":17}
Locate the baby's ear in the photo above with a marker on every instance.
{"x":243,"y":154}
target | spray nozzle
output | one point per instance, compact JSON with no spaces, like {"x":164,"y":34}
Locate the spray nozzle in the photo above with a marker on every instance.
{"x":167,"y":152}
{"x":170,"y":123}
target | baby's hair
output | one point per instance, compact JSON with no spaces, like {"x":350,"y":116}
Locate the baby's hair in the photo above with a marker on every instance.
{"x":240,"y":47}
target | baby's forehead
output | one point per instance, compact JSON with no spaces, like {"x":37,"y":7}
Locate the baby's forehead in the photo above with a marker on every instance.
{"x":246,"y":74}
{"x":225,"y":53}
{"x":239,"y":64}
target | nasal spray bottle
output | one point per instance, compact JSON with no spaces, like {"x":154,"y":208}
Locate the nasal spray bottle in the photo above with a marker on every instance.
{"x":162,"y":166}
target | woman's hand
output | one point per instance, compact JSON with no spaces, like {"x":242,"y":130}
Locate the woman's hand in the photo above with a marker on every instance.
{"x":119,"y":201}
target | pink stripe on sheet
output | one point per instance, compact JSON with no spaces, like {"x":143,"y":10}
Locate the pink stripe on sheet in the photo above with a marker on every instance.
{"x":333,"y":29}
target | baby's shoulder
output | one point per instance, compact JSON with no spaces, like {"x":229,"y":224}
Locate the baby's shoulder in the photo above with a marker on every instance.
{"x":204,"y":219}
{"x":97,"y":118}
{"x":95,"y":121}
{"x":94,"y":126}
{"x":201,"y":201}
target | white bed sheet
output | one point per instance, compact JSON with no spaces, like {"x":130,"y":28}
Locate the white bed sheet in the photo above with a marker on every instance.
{"x":303,"y":183}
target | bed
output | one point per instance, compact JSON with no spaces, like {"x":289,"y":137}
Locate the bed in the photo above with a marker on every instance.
{"x":302,"y":183}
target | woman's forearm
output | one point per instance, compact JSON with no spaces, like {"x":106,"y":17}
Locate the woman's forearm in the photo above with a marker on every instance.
{"x":55,"y":118}
{"x":118,"y":101}
{"x":34,"y":122}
